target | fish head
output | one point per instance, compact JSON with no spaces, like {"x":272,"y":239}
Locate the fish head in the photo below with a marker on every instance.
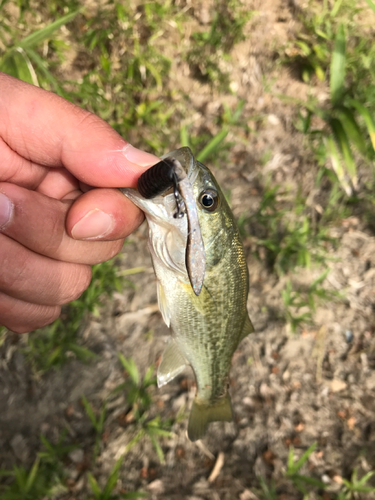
{"x":216,"y":221}
{"x":168,"y":234}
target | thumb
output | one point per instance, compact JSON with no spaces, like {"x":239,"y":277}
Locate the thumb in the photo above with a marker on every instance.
{"x":47,"y":130}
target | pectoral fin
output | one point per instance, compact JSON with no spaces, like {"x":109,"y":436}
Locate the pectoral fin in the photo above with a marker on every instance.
{"x":203,"y":413}
{"x":172,"y":363}
{"x":163,"y":307}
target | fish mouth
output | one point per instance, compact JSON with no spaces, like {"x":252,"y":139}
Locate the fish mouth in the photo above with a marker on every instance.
{"x":186,"y":158}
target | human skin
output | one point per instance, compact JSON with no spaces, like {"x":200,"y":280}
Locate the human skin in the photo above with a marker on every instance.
{"x":59,"y":211}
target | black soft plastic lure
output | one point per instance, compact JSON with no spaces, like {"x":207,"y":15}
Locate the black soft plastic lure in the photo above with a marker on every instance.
{"x":160,"y":178}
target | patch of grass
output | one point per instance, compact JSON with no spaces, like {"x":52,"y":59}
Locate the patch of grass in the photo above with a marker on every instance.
{"x":302,"y":482}
{"x":140,"y":400}
{"x":283,"y":233}
{"x":20,"y":58}
{"x":97,"y":423}
{"x":356,"y":485}
{"x":46,"y":477}
{"x":310,"y":487}
{"x":300,"y":303}
{"x":342,"y":126}
{"x":106,"y":493}
{"x":211,"y":47}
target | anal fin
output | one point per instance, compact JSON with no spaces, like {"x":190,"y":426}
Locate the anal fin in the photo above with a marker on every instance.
{"x":172,"y":364}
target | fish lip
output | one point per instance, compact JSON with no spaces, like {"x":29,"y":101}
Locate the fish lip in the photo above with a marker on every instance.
{"x":185,"y":156}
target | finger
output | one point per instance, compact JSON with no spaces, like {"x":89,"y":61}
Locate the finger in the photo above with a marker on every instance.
{"x":23,"y":317}
{"x":59,"y":184}
{"x":103,"y":213}
{"x":14,"y":168}
{"x":50,"y":131}
{"x":38,"y":223}
{"x":34,"y":278}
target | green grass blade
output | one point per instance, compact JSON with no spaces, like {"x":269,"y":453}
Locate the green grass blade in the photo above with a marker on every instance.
{"x":112,"y":480}
{"x":337,"y":69}
{"x":184,"y":136}
{"x":212,"y":146}
{"x":290,"y":458}
{"x":43,"y":69}
{"x":334,"y":156}
{"x":319,"y":280}
{"x":343,"y":143}
{"x":305,"y":456}
{"x":46,"y":32}
{"x":17,"y":64}
{"x":158,"y":449}
{"x":336,"y":8}
{"x":370,"y":124}
{"x":94,"y":485}
{"x":32,"y":475}
{"x":89,"y":412}
{"x":131,"y":368}
{"x":352,"y":130}
{"x":371,"y":4}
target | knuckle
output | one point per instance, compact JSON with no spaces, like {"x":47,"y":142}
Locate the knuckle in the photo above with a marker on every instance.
{"x":78,"y":281}
{"x":23,"y":317}
{"x":15,"y":265}
{"x":49,"y":316}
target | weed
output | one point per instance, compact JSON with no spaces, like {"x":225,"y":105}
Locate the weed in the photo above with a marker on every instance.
{"x":356,"y":485}
{"x":46,"y":477}
{"x":268,"y":490}
{"x":138,"y":396}
{"x":97,"y":423}
{"x":331,"y":45}
{"x":283,"y":236}
{"x":300,"y":304}
{"x":106,"y":493}
{"x":301,"y":482}
{"x":22,"y":59}
{"x":212,"y":47}
{"x":293,"y":303}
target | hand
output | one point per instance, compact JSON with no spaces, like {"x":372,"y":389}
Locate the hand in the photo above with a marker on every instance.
{"x":53,"y":225}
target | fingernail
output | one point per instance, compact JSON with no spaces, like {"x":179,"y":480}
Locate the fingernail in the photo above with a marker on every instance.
{"x":6,"y":209}
{"x":139,"y":157}
{"x":95,"y":224}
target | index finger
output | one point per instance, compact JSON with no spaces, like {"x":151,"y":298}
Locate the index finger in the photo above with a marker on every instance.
{"x":48,"y":130}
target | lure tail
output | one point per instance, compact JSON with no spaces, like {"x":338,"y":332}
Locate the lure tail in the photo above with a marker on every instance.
{"x":203,"y":413}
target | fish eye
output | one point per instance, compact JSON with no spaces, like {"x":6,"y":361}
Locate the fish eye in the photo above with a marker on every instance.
{"x":209,"y":200}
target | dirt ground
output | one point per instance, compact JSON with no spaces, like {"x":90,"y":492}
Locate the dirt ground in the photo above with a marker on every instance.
{"x":287,"y":389}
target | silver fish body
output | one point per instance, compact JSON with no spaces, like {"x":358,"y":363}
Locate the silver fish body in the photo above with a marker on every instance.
{"x":208,"y":327}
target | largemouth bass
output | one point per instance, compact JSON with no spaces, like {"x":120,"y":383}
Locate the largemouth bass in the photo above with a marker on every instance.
{"x":208,"y":322}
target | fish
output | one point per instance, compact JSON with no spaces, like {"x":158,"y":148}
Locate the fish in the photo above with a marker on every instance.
{"x":210,"y":321}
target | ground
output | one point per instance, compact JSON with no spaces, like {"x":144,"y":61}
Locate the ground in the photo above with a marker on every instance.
{"x":288,"y":388}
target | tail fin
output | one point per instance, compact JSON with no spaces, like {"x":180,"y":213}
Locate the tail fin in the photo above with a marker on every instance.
{"x":203,"y":413}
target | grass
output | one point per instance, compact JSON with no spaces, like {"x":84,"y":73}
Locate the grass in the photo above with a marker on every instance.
{"x":119,"y":61}
{"x":328,"y":47}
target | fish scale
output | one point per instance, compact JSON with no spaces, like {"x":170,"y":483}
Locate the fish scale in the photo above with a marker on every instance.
{"x":206,"y":328}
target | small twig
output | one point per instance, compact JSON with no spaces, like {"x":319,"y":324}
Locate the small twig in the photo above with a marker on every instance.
{"x":217,"y":467}
{"x":205,"y":450}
